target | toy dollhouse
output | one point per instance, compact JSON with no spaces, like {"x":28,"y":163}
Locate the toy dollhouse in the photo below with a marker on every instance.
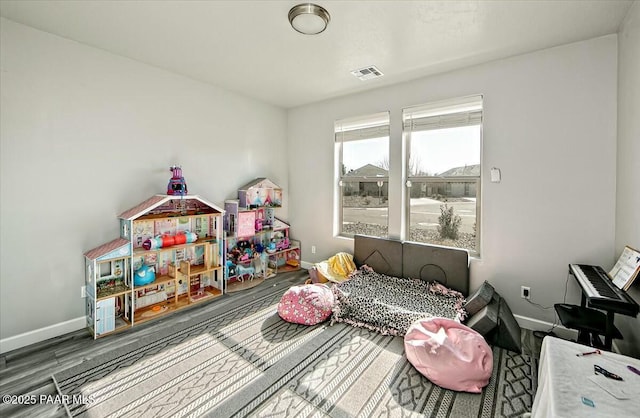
{"x":170,"y":254}
{"x":257,"y":243}
{"x":260,"y":192}
{"x":108,"y":278}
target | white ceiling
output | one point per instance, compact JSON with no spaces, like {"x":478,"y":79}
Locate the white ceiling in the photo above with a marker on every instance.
{"x":248,"y":46}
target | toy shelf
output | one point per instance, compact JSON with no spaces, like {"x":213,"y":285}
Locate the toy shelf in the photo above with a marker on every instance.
{"x":206,"y":295}
{"x":173,"y":304}
{"x":159,"y":281}
{"x":183,"y":274}
{"x":199,"y":242}
{"x":201,"y":268}
{"x":159,"y":309}
{"x":188,"y":273}
{"x":279,"y":227}
{"x":120,"y":324}
{"x":295,"y":245}
{"x":117,"y":290}
{"x":257,"y":242}
{"x":285,"y":260}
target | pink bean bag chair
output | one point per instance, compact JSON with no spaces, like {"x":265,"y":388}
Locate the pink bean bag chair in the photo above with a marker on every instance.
{"x":307,"y":304}
{"x":449,"y":354}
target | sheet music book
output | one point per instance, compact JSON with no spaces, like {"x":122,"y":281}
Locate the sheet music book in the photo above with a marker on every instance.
{"x":626,"y":269}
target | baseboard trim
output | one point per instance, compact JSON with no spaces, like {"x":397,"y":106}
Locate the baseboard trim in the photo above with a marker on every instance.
{"x":306,"y":265}
{"x":42,"y":334}
{"x":537,"y":325}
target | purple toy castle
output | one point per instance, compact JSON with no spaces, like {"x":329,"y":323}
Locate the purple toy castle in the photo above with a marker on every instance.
{"x":177,"y":184}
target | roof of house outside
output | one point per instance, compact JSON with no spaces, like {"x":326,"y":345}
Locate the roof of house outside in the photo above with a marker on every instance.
{"x":368,"y":170}
{"x":466,"y":170}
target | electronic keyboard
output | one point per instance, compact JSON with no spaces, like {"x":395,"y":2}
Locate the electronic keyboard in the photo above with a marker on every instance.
{"x":600,"y":292}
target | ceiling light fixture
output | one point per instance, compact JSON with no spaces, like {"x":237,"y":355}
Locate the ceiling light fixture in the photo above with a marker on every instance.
{"x":308,"y":18}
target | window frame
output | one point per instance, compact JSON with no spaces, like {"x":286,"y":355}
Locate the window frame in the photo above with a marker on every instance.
{"x":359,"y":128}
{"x":448,"y":120}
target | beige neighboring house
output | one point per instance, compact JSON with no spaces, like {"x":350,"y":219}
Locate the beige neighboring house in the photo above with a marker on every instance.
{"x":365,"y":181}
{"x":456,"y":182}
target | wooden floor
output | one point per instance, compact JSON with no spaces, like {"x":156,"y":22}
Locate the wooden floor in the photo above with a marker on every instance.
{"x":28,"y":370}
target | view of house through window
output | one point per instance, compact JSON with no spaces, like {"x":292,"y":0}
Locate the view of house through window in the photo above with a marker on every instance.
{"x":443,"y":149}
{"x":443,"y":173}
{"x":362,"y":156}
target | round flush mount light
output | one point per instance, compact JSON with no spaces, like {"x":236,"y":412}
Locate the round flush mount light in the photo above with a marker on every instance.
{"x":308,"y":18}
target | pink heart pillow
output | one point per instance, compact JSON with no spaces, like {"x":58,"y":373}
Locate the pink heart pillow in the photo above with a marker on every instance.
{"x":307,"y":304}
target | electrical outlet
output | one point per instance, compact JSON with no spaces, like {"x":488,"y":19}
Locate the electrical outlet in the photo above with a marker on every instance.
{"x":83,"y":291}
{"x":525,"y":292}
{"x":313,"y":249}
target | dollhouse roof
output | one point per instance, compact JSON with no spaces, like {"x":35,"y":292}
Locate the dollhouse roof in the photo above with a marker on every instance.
{"x":104,"y":249}
{"x":260,"y":183}
{"x":160,"y":199}
{"x":280,"y":225}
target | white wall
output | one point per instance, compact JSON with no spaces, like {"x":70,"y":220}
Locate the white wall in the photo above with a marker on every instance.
{"x":86,"y":135}
{"x":628,"y":167}
{"x":550,"y":126}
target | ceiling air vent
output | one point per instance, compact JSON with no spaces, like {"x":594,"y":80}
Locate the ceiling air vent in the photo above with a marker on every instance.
{"x":367,"y":73}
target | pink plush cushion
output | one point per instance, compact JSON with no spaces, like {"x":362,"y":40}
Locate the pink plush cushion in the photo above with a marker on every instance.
{"x":449,"y":354}
{"x":308,"y":304}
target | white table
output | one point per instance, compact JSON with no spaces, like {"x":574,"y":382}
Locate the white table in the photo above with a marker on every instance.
{"x":564,"y":379}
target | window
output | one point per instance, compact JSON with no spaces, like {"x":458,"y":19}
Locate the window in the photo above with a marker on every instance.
{"x":443,"y":172}
{"x":105,"y":269}
{"x":362,"y":170}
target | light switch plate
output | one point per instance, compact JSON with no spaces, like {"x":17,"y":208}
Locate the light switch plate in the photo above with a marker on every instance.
{"x":495,"y":175}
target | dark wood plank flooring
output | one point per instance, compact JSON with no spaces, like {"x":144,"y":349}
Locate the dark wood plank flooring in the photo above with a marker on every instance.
{"x":28,"y":370}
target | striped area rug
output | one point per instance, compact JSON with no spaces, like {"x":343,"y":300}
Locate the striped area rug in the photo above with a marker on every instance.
{"x":243,"y":360}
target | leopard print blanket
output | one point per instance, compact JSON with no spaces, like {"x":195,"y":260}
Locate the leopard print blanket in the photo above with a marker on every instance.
{"x":389,"y":305}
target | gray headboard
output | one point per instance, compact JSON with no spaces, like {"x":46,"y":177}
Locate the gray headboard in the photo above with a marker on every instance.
{"x":382,"y":255}
{"x":449,"y":266}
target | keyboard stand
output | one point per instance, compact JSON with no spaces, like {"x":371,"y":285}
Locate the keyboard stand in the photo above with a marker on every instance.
{"x":590,"y":323}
